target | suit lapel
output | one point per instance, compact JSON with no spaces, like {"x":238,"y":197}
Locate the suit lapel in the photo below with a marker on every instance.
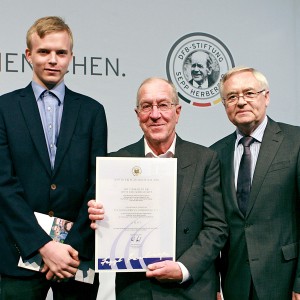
{"x":271,"y":142}
{"x":68,"y":123}
{"x":139,"y":149}
{"x":227,"y":169}
{"x":32,"y":118}
{"x":184,"y":174}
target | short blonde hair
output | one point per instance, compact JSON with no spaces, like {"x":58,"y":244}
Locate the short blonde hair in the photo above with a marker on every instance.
{"x":48,"y":25}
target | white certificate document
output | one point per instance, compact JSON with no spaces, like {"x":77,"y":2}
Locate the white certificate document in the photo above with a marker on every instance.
{"x":139,"y":199}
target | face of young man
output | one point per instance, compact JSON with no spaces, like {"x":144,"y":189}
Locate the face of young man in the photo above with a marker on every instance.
{"x":158,"y":126}
{"x":246,"y":115}
{"x":50,"y":57}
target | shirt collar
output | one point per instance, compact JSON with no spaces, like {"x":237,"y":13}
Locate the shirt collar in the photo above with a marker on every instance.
{"x":257,"y":133}
{"x":169,"y":153}
{"x":59,"y":91}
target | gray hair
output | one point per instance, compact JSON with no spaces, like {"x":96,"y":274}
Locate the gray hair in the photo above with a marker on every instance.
{"x":257,"y":74}
{"x":174,"y":96}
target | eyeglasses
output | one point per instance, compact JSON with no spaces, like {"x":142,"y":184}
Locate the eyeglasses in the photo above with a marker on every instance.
{"x":248,"y":96}
{"x":163,"y":106}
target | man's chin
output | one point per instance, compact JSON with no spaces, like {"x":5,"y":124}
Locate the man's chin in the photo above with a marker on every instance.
{"x":198,"y":79}
{"x":51,"y":83}
{"x":155,"y":137}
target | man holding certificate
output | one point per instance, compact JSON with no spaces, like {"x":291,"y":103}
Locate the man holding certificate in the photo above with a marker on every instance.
{"x":201,"y":229}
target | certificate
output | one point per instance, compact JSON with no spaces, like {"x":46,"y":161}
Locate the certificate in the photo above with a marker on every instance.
{"x":139,"y":199}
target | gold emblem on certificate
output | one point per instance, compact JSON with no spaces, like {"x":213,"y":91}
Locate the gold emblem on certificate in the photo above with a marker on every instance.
{"x":136,"y":171}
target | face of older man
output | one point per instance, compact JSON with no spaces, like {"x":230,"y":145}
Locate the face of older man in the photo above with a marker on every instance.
{"x":246,"y":114}
{"x":158,"y":126}
{"x":199,"y":69}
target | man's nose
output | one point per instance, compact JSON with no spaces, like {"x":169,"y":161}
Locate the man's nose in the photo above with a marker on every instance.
{"x":155,"y":112}
{"x":241,"y":100}
{"x":52,"y":58}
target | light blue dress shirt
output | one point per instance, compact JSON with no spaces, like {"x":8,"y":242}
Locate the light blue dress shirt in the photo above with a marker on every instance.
{"x":50,"y":104}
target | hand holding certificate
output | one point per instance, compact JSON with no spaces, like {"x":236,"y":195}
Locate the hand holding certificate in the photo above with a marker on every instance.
{"x":139,"y":197}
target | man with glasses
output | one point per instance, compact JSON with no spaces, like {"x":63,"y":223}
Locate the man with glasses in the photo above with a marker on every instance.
{"x":201,"y":230}
{"x":261,"y":194}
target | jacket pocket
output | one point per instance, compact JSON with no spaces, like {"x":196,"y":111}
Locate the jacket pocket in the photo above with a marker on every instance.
{"x":290,"y":251}
{"x":279,"y":165}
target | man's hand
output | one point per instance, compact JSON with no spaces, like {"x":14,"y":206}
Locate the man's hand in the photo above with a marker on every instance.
{"x":61,"y":261}
{"x":165,"y":271}
{"x":96,"y":212}
{"x":295,"y":296}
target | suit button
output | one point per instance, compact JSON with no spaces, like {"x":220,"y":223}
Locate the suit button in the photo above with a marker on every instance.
{"x":186,"y":230}
{"x":53,"y":186}
{"x":51,"y":213}
{"x":17,"y":248}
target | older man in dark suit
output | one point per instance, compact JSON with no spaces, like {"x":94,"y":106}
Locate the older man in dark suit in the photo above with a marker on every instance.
{"x":201,"y":230}
{"x":261,"y":259}
{"x":49,"y":140}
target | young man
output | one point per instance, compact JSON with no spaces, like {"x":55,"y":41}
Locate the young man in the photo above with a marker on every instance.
{"x":201,"y":230}
{"x":49,"y":139}
{"x":261,"y":260}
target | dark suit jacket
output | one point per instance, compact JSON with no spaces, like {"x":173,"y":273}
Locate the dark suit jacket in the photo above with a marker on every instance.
{"x":264,"y":244}
{"x":28,"y":184}
{"x":201,"y":230}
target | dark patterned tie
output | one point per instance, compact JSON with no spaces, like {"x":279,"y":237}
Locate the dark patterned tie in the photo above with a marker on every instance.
{"x":244,"y":176}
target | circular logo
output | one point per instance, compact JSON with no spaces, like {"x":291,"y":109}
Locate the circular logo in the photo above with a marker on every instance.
{"x":136,"y":171}
{"x":195,"y":65}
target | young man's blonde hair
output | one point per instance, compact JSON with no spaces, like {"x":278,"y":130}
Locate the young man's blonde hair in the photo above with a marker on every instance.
{"x":48,"y":25}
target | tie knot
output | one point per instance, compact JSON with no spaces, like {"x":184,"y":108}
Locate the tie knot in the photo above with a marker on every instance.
{"x":246,"y":141}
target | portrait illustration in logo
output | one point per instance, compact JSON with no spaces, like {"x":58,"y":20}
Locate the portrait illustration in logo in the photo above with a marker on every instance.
{"x":195,"y":64}
{"x":201,"y":69}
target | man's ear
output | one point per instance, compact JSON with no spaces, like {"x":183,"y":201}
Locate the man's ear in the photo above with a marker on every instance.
{"x":209,"y":70}
{"x":28,"y":55}
{"x":137,"y":113}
